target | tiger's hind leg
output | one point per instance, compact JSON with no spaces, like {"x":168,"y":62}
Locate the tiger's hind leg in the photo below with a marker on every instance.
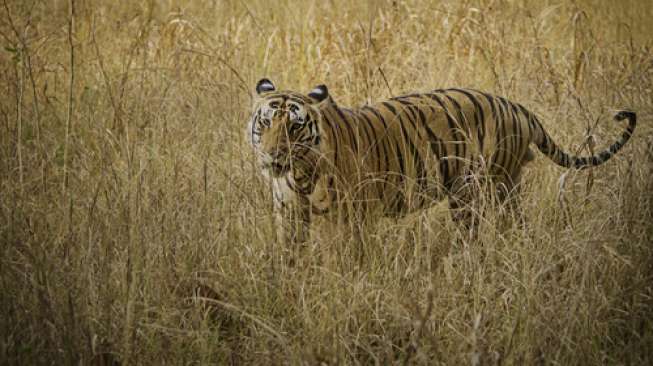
{"x":473,"y":197}
{"x":508,"y":192}
{"x":464,"y":209}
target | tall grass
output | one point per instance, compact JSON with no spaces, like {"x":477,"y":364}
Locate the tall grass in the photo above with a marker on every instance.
{"x":135,"y":229}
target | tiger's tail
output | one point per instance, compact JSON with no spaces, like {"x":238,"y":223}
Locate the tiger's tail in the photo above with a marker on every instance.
{"x":549,"y":148}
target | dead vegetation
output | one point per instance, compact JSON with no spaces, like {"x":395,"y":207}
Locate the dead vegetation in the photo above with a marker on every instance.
{"x":134,"y":228}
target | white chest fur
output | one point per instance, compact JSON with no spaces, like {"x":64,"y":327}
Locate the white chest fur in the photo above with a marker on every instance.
{"x":283,"y":195}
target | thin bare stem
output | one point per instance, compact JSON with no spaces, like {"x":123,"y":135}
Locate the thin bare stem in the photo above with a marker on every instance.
{"x":71,"y":30}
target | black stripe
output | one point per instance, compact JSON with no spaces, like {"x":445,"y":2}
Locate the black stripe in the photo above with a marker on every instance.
{"x":296,"y":99}
{"x":384,"y":136}
{"x":547,"y":147}
{"x":490,"y":101}
{"x":421,"y":169}
{"x":454,"y":134}
{"x":493,"y":109}
{"x":479,"y":116}
{"x":399,"y":155}
{"x":417,"y":159}
{"x":519,"y":138}
{"x":529,"y":119}
{"x":383,"y":140}
{"x":371,"y":141}
{"x":349,"y":128}
{"x":365,"y":124}
{"x":413,"y":119}
{"x":390,"y":107}
{"x":501,"y":139}
{"x":413,"y":95}
{"x":255,"y":125}
{"x":329,"y":123}
{"x":379,"y":116}
{"x":513,"y":135}
{"x":435,"y":143}
{"x":464,"y":126}
{"x":439,"y":149}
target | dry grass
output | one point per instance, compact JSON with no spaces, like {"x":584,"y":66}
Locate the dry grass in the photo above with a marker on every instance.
{"x":135,"y":229}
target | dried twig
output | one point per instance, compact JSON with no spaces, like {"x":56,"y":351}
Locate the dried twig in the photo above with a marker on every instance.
{"x":71,"y":29}
{"x":243,"y":84}
{"x":387,"y":84}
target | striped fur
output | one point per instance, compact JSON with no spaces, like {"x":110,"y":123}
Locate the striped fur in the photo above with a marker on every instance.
{"x":397,"y":156}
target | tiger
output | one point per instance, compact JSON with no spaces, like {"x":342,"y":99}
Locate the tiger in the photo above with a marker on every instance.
{"x":396,"y":156}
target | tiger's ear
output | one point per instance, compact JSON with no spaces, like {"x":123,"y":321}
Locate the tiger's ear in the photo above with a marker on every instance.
{"x":319,"y":94}
{"x":264,"y":85}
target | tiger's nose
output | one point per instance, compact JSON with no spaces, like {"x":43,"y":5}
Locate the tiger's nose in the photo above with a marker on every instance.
{"x":281,"y":114}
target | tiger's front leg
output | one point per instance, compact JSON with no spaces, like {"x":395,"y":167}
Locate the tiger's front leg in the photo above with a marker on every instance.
{"x":293,"y":220}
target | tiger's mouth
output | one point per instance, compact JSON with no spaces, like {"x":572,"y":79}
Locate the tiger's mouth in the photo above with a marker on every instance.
{"x":277,"y":169}
{"x":277,"y":162}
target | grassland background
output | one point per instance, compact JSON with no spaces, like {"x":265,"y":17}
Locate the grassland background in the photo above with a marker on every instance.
{"x":135,"y":229}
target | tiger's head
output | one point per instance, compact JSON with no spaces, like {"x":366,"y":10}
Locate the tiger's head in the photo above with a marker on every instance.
{"x":284,"y":126}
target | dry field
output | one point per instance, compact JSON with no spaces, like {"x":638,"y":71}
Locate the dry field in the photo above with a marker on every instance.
{"x":134,"y":228}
